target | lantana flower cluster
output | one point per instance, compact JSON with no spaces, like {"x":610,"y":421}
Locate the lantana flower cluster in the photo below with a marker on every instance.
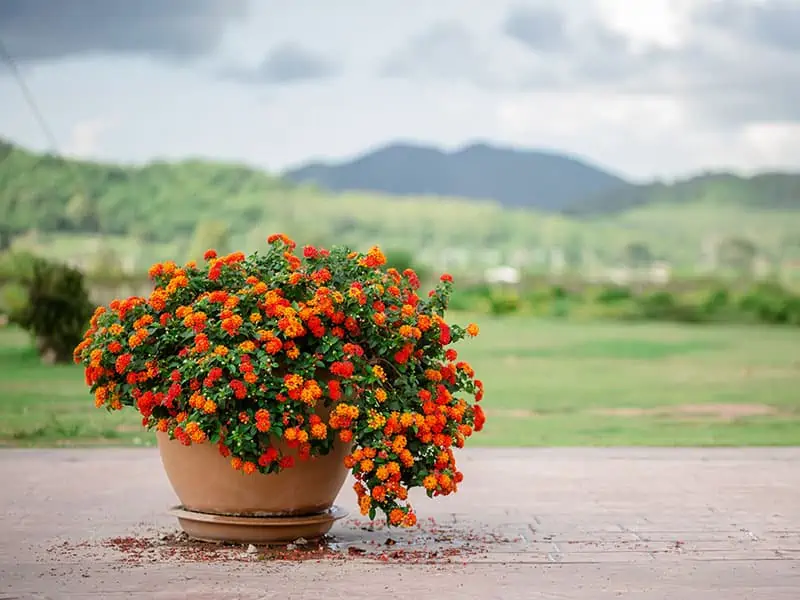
{"x":277,"y":356}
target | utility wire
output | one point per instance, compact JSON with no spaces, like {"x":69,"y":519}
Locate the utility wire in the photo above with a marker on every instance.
{"x":26,"y":93}
{"x":7,"y":57}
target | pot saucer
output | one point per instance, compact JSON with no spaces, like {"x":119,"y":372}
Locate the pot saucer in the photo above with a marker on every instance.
{"x":208,"y":527}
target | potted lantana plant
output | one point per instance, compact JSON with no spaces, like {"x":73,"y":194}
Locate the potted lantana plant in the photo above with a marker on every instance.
{"x":268,"y":377}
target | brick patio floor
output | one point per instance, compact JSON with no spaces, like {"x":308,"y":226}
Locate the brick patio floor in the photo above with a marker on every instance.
{"x":688,"y":524}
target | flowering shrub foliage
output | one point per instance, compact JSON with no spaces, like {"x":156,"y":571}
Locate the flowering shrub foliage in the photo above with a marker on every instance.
{"x":277,"y":350}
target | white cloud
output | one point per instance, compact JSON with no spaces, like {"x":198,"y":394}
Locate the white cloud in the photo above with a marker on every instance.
{"x":604,"y":126}
{"x":661,"y":22}
{"x":86,"y":138}
{"x":573,"y":115}
{"x":776,"y":143}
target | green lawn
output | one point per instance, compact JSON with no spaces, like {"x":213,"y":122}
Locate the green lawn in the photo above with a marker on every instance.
{"x":547,"y":384}
{"x":44,"y":405}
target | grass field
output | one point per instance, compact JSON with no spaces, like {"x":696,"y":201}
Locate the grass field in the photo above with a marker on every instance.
{"x":547,"y":384}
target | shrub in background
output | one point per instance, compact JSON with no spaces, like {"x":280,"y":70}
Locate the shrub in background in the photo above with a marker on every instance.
{"x":473,"y":299}
{"x":664,"y":306}
{"x":613,"y":294}
{"x":502,"y":302}
{"x":770,"y":302}
{"x":49,"y":300}
{"x":716,"y":303}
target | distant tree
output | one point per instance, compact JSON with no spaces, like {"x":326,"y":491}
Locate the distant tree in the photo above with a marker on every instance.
{"x":81,"y":214}
{"x":497,"y":235}
{"x":209,"y":234}
{"x":573,"y":251}
{"x":106,"y":262}
{"x":637,"y":255}
{"x":6,"y":237}
{"x":427,"y":232}
{"x":737,"y":254}
{"x":344,"y":226}
{"x":141,"y":233}
{"x":399,"y":259}
{"x":789,"y":247}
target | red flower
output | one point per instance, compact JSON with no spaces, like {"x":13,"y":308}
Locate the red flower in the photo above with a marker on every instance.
{"x":321,"y":277}
{"x":122,"y":362}
{"x":174,"y":391}
{"x":343,"y":369}
{"x":334,"y":390}
{"x":239,"y":389}
{"x":269,"y":456}
{"x":480,"y":417}
{"x":401,"y":357}
{"x":215,"y":271}
{"x":444,"y":333}
{"x":413,"y":280}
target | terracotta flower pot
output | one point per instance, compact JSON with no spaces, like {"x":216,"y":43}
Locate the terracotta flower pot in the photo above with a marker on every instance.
{"x":205,"y":482}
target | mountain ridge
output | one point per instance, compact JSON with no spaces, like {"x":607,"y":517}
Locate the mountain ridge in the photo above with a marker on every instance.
{"x":514,"y":177}
{"x":544,"y":180}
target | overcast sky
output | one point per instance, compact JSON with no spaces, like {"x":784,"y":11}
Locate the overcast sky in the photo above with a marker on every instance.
{"x":646,"y":88}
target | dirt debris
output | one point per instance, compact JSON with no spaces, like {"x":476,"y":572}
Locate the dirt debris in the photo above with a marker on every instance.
{"x":427,"y":543}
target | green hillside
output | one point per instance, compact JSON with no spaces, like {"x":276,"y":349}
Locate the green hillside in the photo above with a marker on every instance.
{"x":765,"y":191}
{"x":158,"y":201}
{"x":76,"y":208}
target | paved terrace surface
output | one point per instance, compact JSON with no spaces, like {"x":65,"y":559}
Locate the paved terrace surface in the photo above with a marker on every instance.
{"x":687,"y":524}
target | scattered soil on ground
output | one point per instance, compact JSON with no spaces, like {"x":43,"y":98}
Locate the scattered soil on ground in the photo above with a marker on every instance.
{"x":426,"y":543}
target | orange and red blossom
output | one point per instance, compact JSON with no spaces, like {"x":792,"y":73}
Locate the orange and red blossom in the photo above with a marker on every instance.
{"x":275,"y":357}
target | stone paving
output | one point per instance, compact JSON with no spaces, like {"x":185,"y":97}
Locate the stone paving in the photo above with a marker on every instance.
{"x":555,"y":523}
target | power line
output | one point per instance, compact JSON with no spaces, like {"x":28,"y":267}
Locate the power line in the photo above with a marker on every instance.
{"x":78,"y":180}
{"x":26,"y":93}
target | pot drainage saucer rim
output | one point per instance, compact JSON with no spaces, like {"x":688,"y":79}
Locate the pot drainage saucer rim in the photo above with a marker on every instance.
{"x":210,"y":527}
